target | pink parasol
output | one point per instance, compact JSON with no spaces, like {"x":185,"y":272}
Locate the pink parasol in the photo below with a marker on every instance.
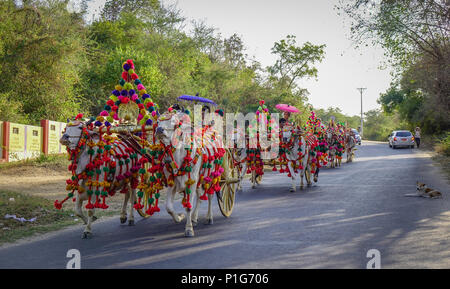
{"x":287,"y":108}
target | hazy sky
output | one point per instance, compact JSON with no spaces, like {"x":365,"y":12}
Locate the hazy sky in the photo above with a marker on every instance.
{"x":262,"y":22}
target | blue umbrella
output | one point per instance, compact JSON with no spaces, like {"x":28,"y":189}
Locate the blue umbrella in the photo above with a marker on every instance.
{"x":196,"y":98}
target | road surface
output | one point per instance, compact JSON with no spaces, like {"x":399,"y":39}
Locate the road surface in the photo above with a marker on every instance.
{"x":352,"y":209}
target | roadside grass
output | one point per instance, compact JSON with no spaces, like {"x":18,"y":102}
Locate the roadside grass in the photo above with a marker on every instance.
{"x":444,"y":162}
{"x":55,"y":162}
{"x":26,"y":206}
{"x":440,"y":148}
{"x":47,"y":217}
{"x":29,"y":203}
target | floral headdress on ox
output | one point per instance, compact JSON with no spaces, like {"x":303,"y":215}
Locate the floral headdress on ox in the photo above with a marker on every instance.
{"x":212,"y":160}
{"x":129,"y":90}
{"x":319,"y":148}
{"x":129,"y":103}
{"x":254,"y":160}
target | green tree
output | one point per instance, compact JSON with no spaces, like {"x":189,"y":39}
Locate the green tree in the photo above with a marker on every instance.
{"x":294,"y":61}
{"x":404,"y":27}
{"x":113,"y":9}
{"x":415,"y":35}
{"x":378,"y":125}
{"x":42,"y":53}
{"x":234,"y":51}
{"x":326,"y":114}
{"x":55,"y":64}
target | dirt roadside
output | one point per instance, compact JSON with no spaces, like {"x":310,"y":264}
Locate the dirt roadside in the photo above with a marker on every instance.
{"x":49,"y":183}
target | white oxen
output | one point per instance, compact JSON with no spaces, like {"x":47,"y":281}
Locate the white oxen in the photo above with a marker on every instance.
{"x":70,"y":138}
{"x":350,"y":144}
{"x":239,"y":155}
{"x":240,"y":158}
{"x":331,"y":140}
{"x":174,"y":130}
{"x":298,"y":154}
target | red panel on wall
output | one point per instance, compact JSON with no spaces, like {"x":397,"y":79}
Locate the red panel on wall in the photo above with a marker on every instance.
{"x":5,"y":142}
{"x":44,"y":125}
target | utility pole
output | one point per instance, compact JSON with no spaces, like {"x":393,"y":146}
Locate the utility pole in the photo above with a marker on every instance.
{"x":361,"y":89}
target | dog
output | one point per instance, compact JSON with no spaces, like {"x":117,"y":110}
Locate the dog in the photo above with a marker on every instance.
{"x":425,"y":192}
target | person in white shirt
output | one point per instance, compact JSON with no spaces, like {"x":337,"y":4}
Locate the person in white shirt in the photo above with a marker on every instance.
{"x":417,"y":136}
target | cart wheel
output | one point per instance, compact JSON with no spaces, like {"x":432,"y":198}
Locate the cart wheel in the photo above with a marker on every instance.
{"x":228,"y":185}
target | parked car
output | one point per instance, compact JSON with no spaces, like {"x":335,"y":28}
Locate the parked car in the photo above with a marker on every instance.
{"x":357,"y":136}
{"x":401,"y":138}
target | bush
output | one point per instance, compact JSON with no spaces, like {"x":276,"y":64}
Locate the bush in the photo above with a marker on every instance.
{"x":443,"y":147}
{"x":10,"y":110}
{"x":28,"y":207}
{"x":57,"y":162}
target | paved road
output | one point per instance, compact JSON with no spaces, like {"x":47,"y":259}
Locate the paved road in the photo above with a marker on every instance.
{"x":352,"y":209}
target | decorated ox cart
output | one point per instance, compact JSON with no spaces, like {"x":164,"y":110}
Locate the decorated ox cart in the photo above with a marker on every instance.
{"x":132,"y":148}
{"x":302,"y":151}
{"x":109,"y":153}
{"x":127,"y":149}
{"x":294,"y":153}
{"x":214,"y":152}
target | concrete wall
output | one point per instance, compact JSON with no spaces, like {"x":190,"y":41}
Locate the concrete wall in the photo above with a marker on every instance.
{"x":55,"y":130}
{"x":16,"y":147}
{"x":28,"y":141}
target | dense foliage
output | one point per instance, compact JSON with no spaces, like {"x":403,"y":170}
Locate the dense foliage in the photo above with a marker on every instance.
{"x":415,"y":35}
{"x":42,"y":55}
{"x":377,"y":124}
{"x":56,"y":64}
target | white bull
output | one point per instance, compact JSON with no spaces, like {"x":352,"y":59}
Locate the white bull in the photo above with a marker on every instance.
{"x":174,"y":131}
{"x":293,"y":156}
{"x":331,"y":140}
{"x":240,"y":159}
{"x":71,"y":139}
{"x":350,"y":144}
{"x":239,"y":155}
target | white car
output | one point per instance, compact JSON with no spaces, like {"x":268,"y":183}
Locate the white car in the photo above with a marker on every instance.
{"x":401,"y":138}
{"x":357,"y":136}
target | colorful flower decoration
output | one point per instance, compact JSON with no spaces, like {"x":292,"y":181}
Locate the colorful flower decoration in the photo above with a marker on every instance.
{"x":318,"y":151}
{"x":105,"y":157}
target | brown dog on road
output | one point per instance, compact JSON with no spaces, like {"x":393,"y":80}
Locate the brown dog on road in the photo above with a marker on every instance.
{"x":425,"y":192}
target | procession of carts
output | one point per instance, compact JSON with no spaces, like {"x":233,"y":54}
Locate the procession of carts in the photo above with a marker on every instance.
{"x":133,"y":148}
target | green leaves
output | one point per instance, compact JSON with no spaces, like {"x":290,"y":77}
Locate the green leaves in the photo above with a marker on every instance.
{"x":295,"y":61}
{"x":56,"y":64}
{"x":415,"y":36}
{"x":42,"y":51}
{"x":391,"y":99}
